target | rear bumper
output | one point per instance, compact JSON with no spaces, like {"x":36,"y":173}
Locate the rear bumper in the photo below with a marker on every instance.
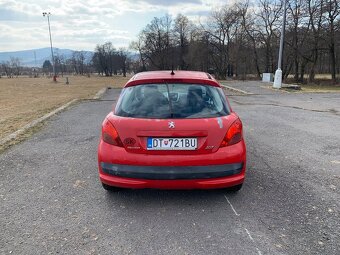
{"x":172,"y":177}
{"x":132,"y":183}
{"x":171,"y":172}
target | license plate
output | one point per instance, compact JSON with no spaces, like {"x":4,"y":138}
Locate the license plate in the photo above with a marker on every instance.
{"x":171,"y":143}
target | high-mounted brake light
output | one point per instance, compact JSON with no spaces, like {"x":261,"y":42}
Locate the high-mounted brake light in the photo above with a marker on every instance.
{"x":233,"y":135}
{"x":110,"y":134}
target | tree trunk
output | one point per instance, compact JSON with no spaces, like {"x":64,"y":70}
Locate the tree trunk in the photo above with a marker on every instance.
{"x":332,"y":53}
{"x":256,"y":59}
{"x":296,"y":75}
{"x":296,"y":56}
{"x":312,"y":69}
{"x":302,"y":74}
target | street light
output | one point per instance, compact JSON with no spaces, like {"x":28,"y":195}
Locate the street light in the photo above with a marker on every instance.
{"x":47,"y":14}
{"x":278,"y":74}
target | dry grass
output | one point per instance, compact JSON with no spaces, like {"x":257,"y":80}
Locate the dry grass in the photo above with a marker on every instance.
{"x":320,"y":88}
{"x":24,"y":99}
{"x":322,"y":76}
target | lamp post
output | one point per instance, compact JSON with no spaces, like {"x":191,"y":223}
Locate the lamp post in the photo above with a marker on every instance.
{"x":278,"y":74}
{"x":47,"y":14}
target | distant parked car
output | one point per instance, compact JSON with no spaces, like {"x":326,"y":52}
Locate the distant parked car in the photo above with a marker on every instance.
{"x":172,"y":131}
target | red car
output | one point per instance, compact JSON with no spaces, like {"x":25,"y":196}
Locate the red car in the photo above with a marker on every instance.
{"x":172,"y":130}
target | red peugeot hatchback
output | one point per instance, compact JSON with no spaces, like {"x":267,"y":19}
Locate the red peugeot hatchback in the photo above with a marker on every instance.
{"x":172,"y":130}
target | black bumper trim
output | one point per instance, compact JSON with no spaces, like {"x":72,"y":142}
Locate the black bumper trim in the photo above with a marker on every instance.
{"x":171,"y":172}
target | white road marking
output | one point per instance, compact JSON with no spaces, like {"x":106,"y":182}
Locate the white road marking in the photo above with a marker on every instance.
{"x":258,"y":251}
{"x":252,"y":239}
{"x":237,"y":90}
{"x":247,"y":231}
{"x":232,"y":207}
{"x":335,"y":161}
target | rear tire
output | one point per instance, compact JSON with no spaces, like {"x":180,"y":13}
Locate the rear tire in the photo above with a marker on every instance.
{"x":111,"y":188}
{"x":235,"y":188}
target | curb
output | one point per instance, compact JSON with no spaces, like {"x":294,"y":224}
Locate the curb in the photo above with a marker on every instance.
{"x":237,"y":90}
{"x":285,"y":86}
{"x":276,"y":90}
{"x":22,"y":130}
{"x":100,"y":93}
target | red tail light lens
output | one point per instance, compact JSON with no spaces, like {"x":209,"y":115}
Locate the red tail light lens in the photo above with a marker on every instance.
{"x":233,"y":135}
{"x":110,"y":134}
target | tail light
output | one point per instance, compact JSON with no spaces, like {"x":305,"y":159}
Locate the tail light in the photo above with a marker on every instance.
{"x":110,"y":134}
{"x":233,"y":135}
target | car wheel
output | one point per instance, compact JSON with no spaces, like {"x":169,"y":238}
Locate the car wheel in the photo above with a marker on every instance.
{"x":235,"y":188}
{"x":111,"y":188}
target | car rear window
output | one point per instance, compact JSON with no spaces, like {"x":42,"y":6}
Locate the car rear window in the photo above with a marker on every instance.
{"x":164,"y":101}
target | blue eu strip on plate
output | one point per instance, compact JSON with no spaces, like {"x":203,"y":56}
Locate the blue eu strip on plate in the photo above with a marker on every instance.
{"x":149,"y":142}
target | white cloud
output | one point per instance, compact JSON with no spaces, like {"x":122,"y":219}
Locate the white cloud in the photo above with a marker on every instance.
{"x":81,"y":25}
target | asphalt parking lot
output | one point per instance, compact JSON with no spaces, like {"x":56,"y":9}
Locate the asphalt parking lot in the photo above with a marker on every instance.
{"x":52,"y":201}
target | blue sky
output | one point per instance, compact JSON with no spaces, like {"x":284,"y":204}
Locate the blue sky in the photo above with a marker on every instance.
{"x":80,"y":25}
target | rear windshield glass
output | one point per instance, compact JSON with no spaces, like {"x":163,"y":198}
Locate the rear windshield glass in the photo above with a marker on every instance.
{"x":163,"y":101}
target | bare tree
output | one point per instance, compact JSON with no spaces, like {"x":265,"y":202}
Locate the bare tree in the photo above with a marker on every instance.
{"x":248,"y":24}
{"x":60,"y":64}
{"x":296,"y":34}
{"x":198,"y":57}
{"x":268,"y":21}
{"x":138,"y":46}
{"x":47,"y":67}
{"x":15,"y":66}
{"x":108,"y":61}
{"x":182,"y":29}
{"x":315,"y":10}
{"x":6,"y":67}
{"x":123,"y":56}
{"x":222,"y":30}
{"x":156,"y":46}
{"x":332,"y":9}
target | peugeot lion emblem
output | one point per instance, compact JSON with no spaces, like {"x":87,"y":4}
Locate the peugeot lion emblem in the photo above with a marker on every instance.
{"x":171,"y":124}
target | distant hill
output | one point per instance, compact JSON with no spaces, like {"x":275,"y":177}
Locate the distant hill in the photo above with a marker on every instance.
{"x":27,"y":57}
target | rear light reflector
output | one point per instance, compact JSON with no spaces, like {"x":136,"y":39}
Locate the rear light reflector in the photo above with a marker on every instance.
{"x":233,"y":135}
{"x":110,"y":134}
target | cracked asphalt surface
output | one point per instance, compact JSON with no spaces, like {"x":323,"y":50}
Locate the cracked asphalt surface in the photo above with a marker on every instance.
{"x":52,"y":201}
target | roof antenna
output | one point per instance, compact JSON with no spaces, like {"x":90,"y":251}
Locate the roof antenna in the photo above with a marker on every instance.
{"x":172,"y":70}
